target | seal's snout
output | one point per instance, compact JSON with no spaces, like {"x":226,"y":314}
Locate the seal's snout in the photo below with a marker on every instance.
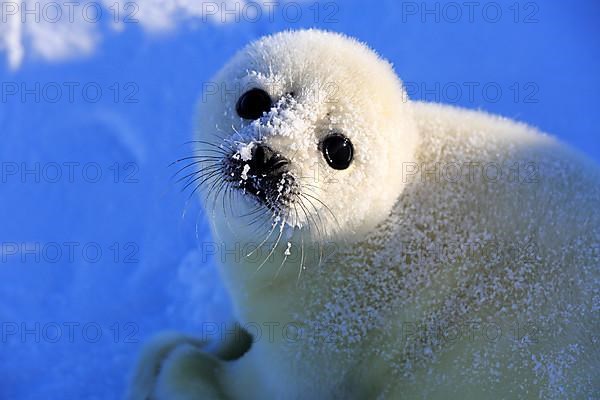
{"x":266,"y":162}
{"x":260,"y":171}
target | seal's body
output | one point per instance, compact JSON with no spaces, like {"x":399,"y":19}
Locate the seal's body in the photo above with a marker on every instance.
{"x":389,"y":248}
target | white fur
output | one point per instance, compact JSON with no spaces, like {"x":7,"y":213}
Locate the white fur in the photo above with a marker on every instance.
{"x":339,"y":85}
{"x":363,"y":310}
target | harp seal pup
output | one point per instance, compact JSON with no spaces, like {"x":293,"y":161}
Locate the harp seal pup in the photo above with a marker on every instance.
{"x":400,"y":249}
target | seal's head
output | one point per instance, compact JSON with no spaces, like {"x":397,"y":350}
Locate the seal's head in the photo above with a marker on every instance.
{"x":307,"y":129}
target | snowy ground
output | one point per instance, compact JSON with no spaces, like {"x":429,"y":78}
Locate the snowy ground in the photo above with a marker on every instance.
{"x":92,"y":265}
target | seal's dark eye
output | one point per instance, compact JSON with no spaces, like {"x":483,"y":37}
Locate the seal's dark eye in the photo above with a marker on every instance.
{"x":337,"y":150}
{"x":253,"y":103}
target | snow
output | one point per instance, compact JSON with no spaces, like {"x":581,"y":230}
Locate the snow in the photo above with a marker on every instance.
{"x":245,"y":172}
{"x":245,"y":150}
{"x":170,"y":280}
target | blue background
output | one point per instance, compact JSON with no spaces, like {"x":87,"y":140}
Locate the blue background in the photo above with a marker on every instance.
{"x":554,"y":60}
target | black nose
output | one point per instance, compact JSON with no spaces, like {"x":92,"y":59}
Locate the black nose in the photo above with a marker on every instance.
{"x":267,"y":162}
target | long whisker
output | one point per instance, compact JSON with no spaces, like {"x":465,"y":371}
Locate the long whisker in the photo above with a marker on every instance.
{"x":301,"y":258}
{"x":199,"y":159}
{"x":274,"y":225}
{"x":320,"y":236}
{"x":316,"y":213}
{"x":211,"y":188}
{"x":326,"y":208}
{"x":185,"y":208}
{"x":214,"y":173}
{"x":257,"y":219}
{"x":287,"y":251}
{"x":200,"y":153}
{"x":274,"y":246}
{"x":237,"y":132}
{"x":209,"y":144}
{"x":285,"y":257}
{"x":200,"y":173}
{"x":226,"y":195}
{"x":216,"y":196}
{"x":311,"y":221}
